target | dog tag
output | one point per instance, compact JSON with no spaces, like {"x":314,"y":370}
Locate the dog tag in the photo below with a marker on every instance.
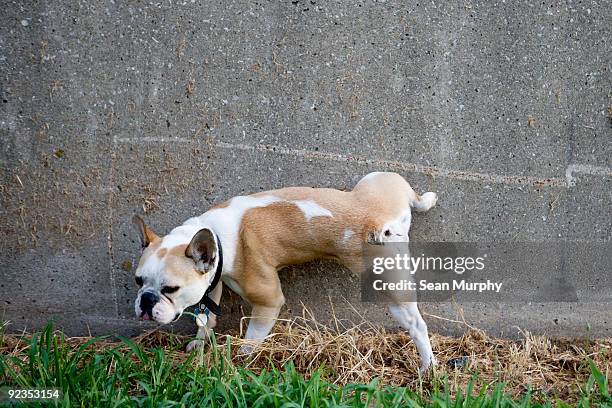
{"x":201,"y":319}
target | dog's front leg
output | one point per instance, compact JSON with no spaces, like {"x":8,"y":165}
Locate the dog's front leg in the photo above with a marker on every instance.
{"x":261,"y":322}
{"x":203,"y":335}
{"x":262,"y":289}
{"x":200,"y":340}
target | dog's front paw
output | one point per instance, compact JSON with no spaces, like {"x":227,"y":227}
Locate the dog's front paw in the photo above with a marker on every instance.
{"x":247,"y":349}
{"x":195,"y":344}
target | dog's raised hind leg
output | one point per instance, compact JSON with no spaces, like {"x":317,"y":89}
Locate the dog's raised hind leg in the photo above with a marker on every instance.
{"x":408,"y":315}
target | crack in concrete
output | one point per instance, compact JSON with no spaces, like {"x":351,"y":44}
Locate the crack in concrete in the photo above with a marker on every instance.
{"x":433,"y":171}
{"x":397,"y":165}
{"x":109,"y":238}
{"x":572,"y":169}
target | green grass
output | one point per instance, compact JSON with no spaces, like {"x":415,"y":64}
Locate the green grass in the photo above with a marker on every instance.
{"x":127,"y":375}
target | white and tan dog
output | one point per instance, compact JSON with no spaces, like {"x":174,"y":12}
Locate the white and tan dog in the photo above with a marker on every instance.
{"x":246,"y":240}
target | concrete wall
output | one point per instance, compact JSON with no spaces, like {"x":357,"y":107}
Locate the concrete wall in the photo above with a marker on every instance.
{"x":116,"y":107}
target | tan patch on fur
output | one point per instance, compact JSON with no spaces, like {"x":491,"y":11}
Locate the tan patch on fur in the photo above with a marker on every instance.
{"x":161,"y":253}
{"x":179,"y":267}
{"x":150,"y":235}
{"x":178,"y":250}
{"x":155,"y":244}
{"x":178,"y":264}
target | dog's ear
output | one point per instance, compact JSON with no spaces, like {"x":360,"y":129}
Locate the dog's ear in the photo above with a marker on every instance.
{"x":145,"y":233}
{"x":203,"y":249}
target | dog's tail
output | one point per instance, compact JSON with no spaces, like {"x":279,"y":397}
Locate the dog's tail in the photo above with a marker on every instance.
{"x":382,"y":183}
{"x":421,"y":202}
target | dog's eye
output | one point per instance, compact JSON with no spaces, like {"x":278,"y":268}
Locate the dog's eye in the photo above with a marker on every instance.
{"x":139,"y":281}
{"x":169,"y":289}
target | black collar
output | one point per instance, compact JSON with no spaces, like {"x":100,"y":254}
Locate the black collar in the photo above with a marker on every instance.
{"x":207,"y":301}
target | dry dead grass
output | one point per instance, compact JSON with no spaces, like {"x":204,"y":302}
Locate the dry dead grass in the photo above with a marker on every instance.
{"x":359,"y":353}
{"x":362,"y":352}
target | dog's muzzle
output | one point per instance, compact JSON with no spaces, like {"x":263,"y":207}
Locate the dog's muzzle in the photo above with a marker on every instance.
{"x":147,"y":301}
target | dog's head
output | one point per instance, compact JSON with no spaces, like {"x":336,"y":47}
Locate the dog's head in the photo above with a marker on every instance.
{"x":172,"y":275}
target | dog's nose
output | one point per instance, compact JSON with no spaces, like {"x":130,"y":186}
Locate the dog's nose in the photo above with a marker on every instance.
{"x":147,"y":301}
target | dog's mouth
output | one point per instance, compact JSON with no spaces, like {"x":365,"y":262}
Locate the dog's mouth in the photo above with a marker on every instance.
{"x":177,"y":316}
{"x":147,"y":316}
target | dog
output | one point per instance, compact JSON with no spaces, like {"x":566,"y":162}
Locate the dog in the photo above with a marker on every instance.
{"x":243,"y":242}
